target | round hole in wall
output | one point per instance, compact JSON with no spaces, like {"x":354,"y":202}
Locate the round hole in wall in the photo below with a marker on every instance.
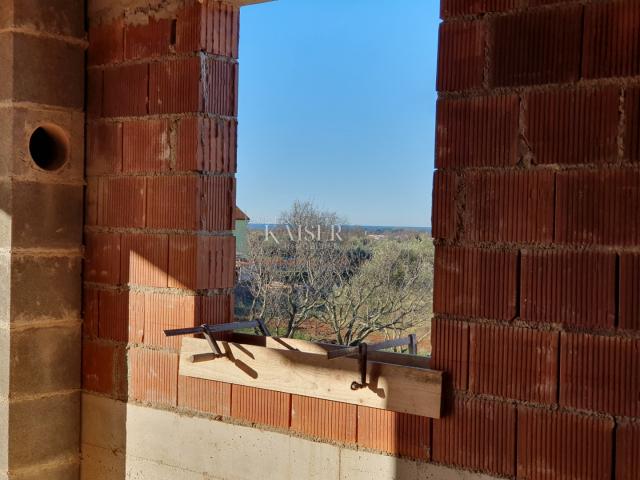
{"x":49,"y":147}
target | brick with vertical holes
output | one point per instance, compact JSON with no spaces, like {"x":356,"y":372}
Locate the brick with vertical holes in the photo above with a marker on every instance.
{"x":122,"y":373}
{"x":144,"y":259}
{"x":223,"y":31}
{"x":153,"y":376}
{"x":570,"y":288}
{"x":537,"y":47}
{"x":627,"y":450}
{"x":90,"y":311}
{"x":192,"y":144}
{"x":235,"y":32}
{"x":189,"y":261}
{"x":601,"y":374}
{"x":104,"y":149}
{"x":598,"y":207}
{"x":121,"y":202}
{"x":395,"y":433}
{"x":215,"y":309}
{"x":95,"y":85}
{"x":611,"y":46}
{"x":516,"y":363}
{"x":218,"y":202}
{"x":191,"y":27}
{"x":262,"y":407}
{"x":444,"y":217}
{"x":222,"y":87}
{"x":472,"y":282}
{"x":136,"y":316}
{"x":450,"y":350}
{"x":461,"y":55}
{"x":102,"y":258}
{"x":164,"y":312}
{"x":632,"y":132}
{"x":222,"y":266}
{"x":173,"y":202}
{"x":574,"y":126}
{"x":477,"y":435}
{"x":125,"y":91}
{"x":513,"y":206}
{"x":147,"y":40}
{"x":629,"y":287}
{"x":222,"y":37}
{"x":222,"y":153}
{"x":537,"y":3}
{"x":324,"y":419}
{"x":206,"y":396}
{"x":176,"y":86}
{"x":205,"y":144}
{"x":98,"y":367}
{"x":563,"y":446}
{"x":106,"y":42}
{"x":91,"y":201}
{"x":114,"y":315}
{"x":146,"y":146}
{"x":477,"y":132}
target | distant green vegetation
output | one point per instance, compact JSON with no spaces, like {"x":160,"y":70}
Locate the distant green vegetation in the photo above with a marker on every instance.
{"x":308,"y":279}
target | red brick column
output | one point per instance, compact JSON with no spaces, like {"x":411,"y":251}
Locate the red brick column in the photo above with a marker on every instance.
{"x":161,"y":160}
{"x":536,"y":219}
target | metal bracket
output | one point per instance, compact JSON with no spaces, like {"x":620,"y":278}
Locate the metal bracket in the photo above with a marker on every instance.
{"x":209,"y":330}
{"x":362,"y":349}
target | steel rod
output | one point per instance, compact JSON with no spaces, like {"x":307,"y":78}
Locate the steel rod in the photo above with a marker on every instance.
{"x":223,"y":327}
{"x":354,"y":350}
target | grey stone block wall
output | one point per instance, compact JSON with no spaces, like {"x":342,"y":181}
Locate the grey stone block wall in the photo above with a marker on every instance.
{"x":42,"y":57}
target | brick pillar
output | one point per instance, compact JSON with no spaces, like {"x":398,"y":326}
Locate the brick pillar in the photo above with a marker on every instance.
{"x":161,"y":160}
{"x":41,"y":188}
{"x":536,"y":201}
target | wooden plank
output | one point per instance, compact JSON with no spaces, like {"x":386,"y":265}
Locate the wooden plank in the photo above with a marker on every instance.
{"x":322,"y":348}
{"x":402,"y":389}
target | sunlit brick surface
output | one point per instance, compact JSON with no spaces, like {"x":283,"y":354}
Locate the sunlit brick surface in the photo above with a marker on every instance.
{"x":536,"y":199}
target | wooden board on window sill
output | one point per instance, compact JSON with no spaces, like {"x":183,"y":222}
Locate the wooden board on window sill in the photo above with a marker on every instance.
{"x":403,"y":389}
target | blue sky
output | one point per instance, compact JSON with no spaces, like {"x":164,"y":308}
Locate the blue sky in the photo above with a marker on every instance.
{"x":337,"y":106}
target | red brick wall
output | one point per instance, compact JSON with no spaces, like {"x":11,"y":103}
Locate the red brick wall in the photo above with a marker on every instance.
{"x":161,"y":162}
{"x":537,"y":225}
{"x":536,"y":205}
